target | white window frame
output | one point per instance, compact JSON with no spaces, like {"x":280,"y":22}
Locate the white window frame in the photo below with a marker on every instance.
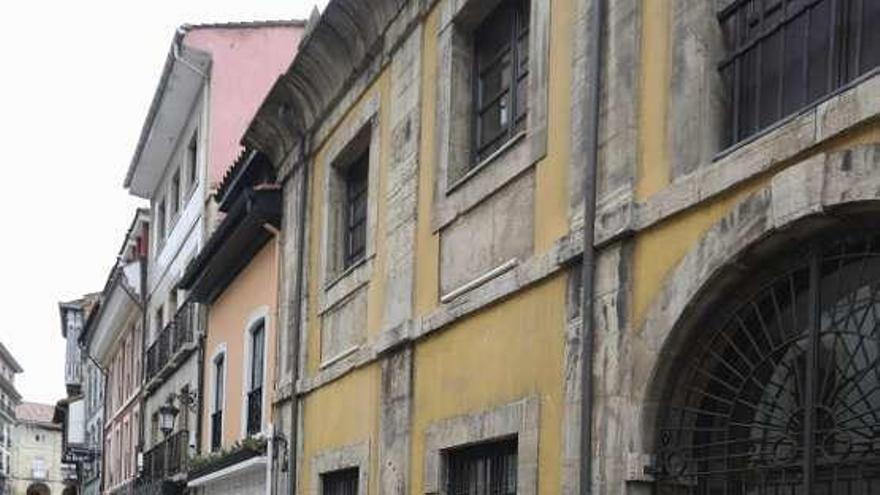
{"x":260,"y":314}
{"x":219,"y":351}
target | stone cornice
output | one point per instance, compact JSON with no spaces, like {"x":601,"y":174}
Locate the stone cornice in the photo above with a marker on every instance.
{"x":342,"y":42}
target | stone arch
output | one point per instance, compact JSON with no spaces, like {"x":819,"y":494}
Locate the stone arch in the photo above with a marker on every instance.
{"x":808,"y":197}
{"x":38,"y":489}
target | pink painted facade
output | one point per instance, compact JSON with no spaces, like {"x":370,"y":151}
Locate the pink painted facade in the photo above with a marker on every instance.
{"x":122,"y":428}
{"x":245,"y":63}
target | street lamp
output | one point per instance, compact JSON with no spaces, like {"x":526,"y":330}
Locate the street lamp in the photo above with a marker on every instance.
{"x":167,"y":415}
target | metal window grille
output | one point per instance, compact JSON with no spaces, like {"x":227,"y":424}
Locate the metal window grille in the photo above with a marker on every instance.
{"x":784,"y":55}
{"x":255,"y":394}
{"x":342,"y":482}
{"x":501,"y":68}
{"x":781,"y":394}
{"x":355,"y":213}
{"x":486,"y":469}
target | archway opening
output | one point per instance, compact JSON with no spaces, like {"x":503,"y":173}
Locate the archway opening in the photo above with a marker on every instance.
{"x":38,"y":489}
{"x":777,"y":388}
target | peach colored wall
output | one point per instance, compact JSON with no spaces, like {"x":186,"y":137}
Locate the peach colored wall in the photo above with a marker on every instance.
{"x":228,"y":319}
{"x":246,"y":62}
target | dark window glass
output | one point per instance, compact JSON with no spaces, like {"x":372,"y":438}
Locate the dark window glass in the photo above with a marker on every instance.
{"x":501,"y":47}
{"x":355,"y":213}
{"x":192,"y":154}
{"x":343,"y":482}
{"x":486,"y":469}
{"x":217,"y":415}
{"x":218,"y":383}
{"x":257,"y":356}
{"x":174,"y":198}
{"x":784,"y":55}
{"x":160,"y":222}
{"x":255,"y":394}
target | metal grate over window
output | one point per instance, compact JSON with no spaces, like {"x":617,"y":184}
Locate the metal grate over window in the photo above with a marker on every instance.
{"x":356,"y":189}
{"x":485,"y":469}
{"x":781,"y":395}
{"x":342,"y":482}
{"x":501,"y":66}
{"x":784,"y":55}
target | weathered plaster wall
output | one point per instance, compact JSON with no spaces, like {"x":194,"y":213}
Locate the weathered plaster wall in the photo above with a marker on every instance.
{"x":251,"y":296}
{"x":489,"y":360}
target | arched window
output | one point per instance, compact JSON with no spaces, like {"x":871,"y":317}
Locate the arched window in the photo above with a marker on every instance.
{"x":779,"y":389}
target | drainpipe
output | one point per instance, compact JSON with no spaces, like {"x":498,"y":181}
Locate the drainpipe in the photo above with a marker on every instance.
{"x":588,"y":263}
{"x":297,"y":307}
{"x":175,"y":51}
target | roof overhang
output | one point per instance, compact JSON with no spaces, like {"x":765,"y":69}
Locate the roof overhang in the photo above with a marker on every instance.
{"x":116,"y":311}
{"x":234,"y":244}
{"x":7,"y":356}
{"x":179,"y":87}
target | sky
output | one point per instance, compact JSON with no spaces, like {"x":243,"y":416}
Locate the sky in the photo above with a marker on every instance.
{"x":76,"y":81}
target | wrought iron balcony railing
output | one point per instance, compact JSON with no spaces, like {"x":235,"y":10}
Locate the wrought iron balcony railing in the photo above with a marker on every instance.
{"x":168,"y":458}
{"x":255,"y":411}
{"x":175,"y":340}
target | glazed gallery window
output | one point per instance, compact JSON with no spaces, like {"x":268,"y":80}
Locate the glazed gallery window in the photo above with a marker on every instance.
{"x":785,"y":55}
{"x":484,"y":469}
{"x":217,"y":414}
{"x":342,"y":482}
{"x":501,"y":67}
{"x":255,"y":379}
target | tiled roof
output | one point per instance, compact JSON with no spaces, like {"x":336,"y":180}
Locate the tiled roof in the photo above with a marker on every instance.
{"x":32,"y":412}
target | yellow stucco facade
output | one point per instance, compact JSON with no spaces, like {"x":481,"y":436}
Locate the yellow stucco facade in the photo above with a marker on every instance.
{"x":461,"y":324}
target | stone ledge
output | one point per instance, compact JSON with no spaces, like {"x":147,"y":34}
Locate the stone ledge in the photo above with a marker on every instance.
{"x":790,"y":138}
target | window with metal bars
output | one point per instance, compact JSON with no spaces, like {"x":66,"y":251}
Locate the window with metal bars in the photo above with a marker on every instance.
{"x":219,"y":394}
{"x":484,"y":469}
{"x":784,"y":55}
{"x":501,"y":68}
{"x":342,"y":482}
{"x":355,"y":211}
{"x":255,"y":393}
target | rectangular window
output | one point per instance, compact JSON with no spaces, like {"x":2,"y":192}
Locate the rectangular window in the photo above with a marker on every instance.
{"x":217,"y":415}
{"x":342,"y":482}
{"x":174,"y":195}
{"x":355,"y":213}
{"x":192,"y":159}
{"x":255,"y":393}
{"x":160,"y":222}
{"x":485,"y":469}
{"x":786,"y":55}
{"x":501,"y":69}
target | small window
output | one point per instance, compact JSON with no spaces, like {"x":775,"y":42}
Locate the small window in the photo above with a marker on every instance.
{"x":485,"y":469}
{"x":217,"y":414}
{"x":501,"y":48}
{"x":355,"y":224}
{"x":255,"y":377}
{"x":192,"y":159}
{"x":174,"y":195}
{"x":160,"y":222}
{"x":342,"y":482}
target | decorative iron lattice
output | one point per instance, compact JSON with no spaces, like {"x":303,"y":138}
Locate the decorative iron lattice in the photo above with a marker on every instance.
{"x":783,"y":396}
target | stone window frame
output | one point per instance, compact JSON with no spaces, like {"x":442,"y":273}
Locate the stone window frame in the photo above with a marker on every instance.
{"x":520,"y":419}
{"x":338,"y":284}
{"x":459,"y":187}
{"x":350,"y":456}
